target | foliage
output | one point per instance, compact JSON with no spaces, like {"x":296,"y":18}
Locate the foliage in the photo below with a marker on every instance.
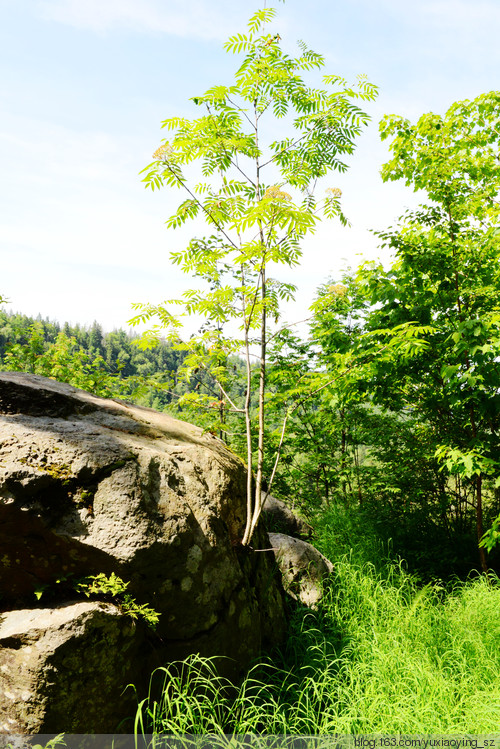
{"x":114,"y":586}
{"x":107,"y":364}
{"x":341,"y":450}
{"x":492,"y":536}
{"x":98,"y":586}
{"x":315,"y":380}
{"x":447,"y":275}
{"x":65,"y":361}
{"x":56,"y":741}
{"x":418,"y":346}
{"x":259,"y":203}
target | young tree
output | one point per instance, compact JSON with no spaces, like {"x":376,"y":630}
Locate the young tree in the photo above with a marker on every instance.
{"x":258,"y":202}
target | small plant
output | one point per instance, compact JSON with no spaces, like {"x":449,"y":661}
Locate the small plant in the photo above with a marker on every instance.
{"x":115,"y":587}
{"x":51,"y":744}
{"x":102,"y":585}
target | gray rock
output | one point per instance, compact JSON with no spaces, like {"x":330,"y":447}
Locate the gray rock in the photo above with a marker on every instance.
{"x":91,"y":485}
{"x":66,"y":666}
{"x":281,"y":519}
{"x":304,"y":569}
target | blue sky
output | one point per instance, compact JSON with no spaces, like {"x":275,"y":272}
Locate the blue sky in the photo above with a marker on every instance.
{"x":85,"y":85}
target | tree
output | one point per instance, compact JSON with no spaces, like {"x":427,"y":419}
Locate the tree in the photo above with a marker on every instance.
{"x":316,"y":382}
{"x":64,"y":360}
{"x":95,"y":338}
{"x":446,"y":276}
{"x":259,"y":202}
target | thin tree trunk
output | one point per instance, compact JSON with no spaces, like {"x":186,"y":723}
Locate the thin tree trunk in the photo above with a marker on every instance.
{"x":343,"y":447}
{"x":222,"y":416}
{"x":257,"y":505}
{"x":479,"y":499}
{"x":479,"y":479}
{"x":262,"y":387}
{"x":253,"y":513}
{"x":479,"y":521}
{"x":248,"y":429}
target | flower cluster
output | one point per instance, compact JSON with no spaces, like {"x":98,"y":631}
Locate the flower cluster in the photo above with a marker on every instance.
{"x":163,"y":152}
{"x":275,"y":193}
{"x":337,"y":289}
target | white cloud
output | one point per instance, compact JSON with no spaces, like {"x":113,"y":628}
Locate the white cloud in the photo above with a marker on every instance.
{"x":463,"y":13}
{"x":184,"y":18}
{"x":80,"y":237}
{"x":447,"y":13}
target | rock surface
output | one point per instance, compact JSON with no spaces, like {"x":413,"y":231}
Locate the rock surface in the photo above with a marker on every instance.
{"x":51,"y":658}
{"x":89,"y":485}
{"x":304,"y":569}
{"x":281,"y":519}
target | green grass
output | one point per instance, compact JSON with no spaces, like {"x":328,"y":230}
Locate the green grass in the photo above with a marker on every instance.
{"x":384,"y":653}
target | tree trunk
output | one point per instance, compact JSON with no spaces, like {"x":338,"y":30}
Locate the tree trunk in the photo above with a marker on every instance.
{"x":479,"y":521}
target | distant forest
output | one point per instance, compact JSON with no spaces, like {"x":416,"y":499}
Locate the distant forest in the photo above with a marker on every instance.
{"x":114,"y":365}
{"x":116,"y":348}
{"x":146,"y":375}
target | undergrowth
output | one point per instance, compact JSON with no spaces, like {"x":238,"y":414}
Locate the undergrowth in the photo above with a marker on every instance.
{"x":383,"y":654}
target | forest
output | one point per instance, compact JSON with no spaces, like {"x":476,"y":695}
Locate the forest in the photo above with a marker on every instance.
{"x":379,"y":424}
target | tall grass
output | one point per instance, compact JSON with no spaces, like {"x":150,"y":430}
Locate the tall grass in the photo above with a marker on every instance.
{"x":383,"y":654}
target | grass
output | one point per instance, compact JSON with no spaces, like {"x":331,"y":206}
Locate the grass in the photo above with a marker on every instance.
{"x":383,"y":654}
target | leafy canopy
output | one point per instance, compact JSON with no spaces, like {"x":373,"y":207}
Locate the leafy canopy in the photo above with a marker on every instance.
{"x":447,"y":277}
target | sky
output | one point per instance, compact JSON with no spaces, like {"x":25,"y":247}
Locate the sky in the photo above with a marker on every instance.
{"x":85,"y":85}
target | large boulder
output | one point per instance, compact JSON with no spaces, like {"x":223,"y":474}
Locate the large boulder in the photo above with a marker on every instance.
{"x":89,"y":485}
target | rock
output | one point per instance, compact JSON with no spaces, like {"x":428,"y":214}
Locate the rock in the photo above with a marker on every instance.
{"x":66,"y":666}
{"x":90,"y":485}
{"x":281,"y":519}
{"x":304,"y":569}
